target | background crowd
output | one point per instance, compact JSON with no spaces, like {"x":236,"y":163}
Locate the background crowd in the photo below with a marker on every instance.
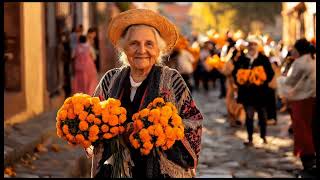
{"x":290,"y":84}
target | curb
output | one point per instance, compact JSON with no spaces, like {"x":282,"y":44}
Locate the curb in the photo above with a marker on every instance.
{"x":22,"y":139}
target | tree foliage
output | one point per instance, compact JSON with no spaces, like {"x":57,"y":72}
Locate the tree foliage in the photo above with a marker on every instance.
{"x":232,"y":15}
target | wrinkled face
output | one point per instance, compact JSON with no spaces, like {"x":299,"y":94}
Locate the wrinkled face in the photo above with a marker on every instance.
{"x":141,"y":48}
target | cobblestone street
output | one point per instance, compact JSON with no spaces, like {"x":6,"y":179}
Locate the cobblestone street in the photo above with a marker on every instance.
{"x":222,"y":155}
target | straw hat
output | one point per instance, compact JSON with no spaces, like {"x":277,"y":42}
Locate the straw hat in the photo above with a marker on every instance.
{"x":166,"y":29}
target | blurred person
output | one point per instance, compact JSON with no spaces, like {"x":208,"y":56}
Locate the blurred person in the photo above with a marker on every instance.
{"x":74,"y":37}
{"x":184,"y":61}
{"x":201,"y":72}
{"x":299,"y":89}
{"x":236,"y":113}
{"x":251,"y":96}
{"x":85,"y":78}
{"x":272,"y":95}
{"x":91,"y":35}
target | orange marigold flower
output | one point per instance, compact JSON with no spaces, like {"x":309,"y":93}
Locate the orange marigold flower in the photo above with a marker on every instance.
{"x":63,"y":114}
{"x":70,"y":138}
{"x":164,"y":121}
{"x":68,"y":100}
{"x":173,"y":107}
{"x":144,"y":135}
{"x":158,"y":131}
{"x":103,"y":104}
{"x":178,"y":132}
{"x":169,"y":133}
{"x":154,"y":115}
{"x":86,"y":102}
{"x":144,"y":112}
{"x":94,"y":100}
{"x":169,"y":143}
{"x":105,"y":117}
{"x":138,"y":124}
{"x":59,"y":133}
{"x":144,"y":151}
{"x":114,"y":102}
{"x":58,"y":124}
{"x":135,"y":143}
{"x":158,"y":100}
{"x":71,"y":115}
{"x":151,"y":129}
{"x":104,"y":128}
{"x":90,"y":118}
{"x":121,"y":129}
{"x":161,"y":140}
{"x":83,"y":125}
{"x":86,"y":143}
{"x":115,"y":110}
{"x":97,"y":121}
{"x":135,"y":116}
{"x":79,"y":138}
{"x":78,"y":108}
{"x":83,"y":115}
{"x":122,"y":118}
{"x":114,"y":120}
{"x":176,"y":120}
{"x":166,"y":111}
{"x":123,"y":110}
{"x":107,"y":135}
{"x":96,"y":109}
{"x":66,"y":106}
{"x":148,"y":145}
{"x":114,"y":130}
{"x":65,"y":129}
{"x":93,"y":130}
{"x":93,"y":138}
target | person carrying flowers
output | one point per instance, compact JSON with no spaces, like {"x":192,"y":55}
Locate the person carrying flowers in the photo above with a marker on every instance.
{"x":252,"y":73}
{"x":142,"y":38}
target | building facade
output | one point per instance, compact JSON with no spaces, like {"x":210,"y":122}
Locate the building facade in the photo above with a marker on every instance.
{"x":33,"y":83}
{"x":299,"y":20}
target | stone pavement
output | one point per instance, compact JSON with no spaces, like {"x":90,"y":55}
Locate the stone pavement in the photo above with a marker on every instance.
{"x":223,"y":153}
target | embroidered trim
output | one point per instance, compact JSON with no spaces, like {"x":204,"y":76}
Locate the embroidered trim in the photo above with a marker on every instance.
{"x":173,"y":170}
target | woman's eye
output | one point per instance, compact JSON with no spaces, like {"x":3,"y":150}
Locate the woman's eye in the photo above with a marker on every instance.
{"x":150,"y":44}
{"x":133,"y":43}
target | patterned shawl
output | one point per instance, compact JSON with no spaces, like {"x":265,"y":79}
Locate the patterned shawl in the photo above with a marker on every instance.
{"x":168,"y":84}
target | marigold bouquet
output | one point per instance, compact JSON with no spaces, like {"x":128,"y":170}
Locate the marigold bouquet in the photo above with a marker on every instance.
{"x":85,"y":120}
{"x":243,"y":76}
{"x":255,"y":76}
{"x":214,"y":62}
{"x":157,"y":126}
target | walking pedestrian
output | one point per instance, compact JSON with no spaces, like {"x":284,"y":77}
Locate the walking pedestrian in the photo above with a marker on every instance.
{"x":252,"y":96}
{"x":85,"y":77}
{"x":299,"y":88}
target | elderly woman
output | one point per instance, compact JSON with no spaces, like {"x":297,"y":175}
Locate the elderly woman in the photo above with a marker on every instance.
{"x":142,"y":38}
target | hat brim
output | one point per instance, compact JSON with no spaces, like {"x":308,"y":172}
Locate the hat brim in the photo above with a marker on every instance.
{"x":122,"y":21}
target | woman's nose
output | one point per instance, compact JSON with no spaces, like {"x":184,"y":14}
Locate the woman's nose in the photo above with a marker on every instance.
{"x":142,"y":49}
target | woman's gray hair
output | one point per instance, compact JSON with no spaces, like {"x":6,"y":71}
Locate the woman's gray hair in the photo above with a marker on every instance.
{"x":159,"y":40}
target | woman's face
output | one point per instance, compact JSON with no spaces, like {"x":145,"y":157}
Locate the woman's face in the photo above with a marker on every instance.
{"x":141,"y":48}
